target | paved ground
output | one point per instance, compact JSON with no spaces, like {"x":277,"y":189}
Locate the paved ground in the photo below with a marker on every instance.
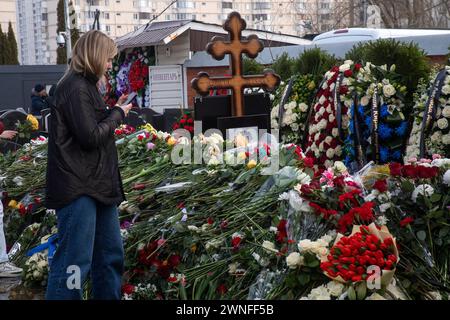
{"x":12,"y":289}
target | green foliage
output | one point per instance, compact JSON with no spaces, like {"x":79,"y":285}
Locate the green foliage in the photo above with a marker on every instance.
{"x":11,"y":47}
{"x":251,"y":67}
{"x":315,"y":62}
{"x":411,"y":62}
{"x":282,"y":66}
{"x":2,"y":46}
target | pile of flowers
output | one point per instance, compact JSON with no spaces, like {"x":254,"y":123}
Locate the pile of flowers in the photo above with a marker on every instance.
{"x":295,"y":111}
{"x":436,"y":134}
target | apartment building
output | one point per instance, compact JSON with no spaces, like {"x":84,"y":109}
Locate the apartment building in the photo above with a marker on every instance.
{"x":36,"y":25}
{"x":8,"y":14}
{"x":37,"y":19}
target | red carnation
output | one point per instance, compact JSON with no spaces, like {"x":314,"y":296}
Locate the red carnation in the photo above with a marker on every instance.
{"x":406,"y":221}
{"x":235,"y":242}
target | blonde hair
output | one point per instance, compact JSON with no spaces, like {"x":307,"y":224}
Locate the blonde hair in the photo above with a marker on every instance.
{"x":91,"y":52}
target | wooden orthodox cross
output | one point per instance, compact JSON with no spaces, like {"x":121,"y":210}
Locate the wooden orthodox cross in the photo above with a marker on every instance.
{"x":218,"y":47}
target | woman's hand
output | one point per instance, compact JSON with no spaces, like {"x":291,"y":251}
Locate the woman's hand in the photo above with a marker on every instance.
{"x":126,"y":108}
{"x":8,"y":134}
{"x":122,"y":99}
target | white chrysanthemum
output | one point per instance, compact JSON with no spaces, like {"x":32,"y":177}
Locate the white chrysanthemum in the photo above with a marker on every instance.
{"x":424,"y":189}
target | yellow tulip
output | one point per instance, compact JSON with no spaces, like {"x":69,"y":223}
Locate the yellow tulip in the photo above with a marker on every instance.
{"x":251,"y":164}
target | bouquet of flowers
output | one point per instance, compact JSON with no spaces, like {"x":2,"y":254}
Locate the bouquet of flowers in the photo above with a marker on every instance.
{"x":25,"y":129}
{"x":295,"y":110}
{"x":431,"y":130}
{"x":367,"y":247}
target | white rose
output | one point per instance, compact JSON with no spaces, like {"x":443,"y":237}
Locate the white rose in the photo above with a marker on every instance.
{"x":446,"y":178}
{"x":350,"y":62}
{"x":388,"y":90}
{"x":365,"y":101}
{"x":424,"y":189}
{"x":269,"y":247}
{"x":294,"y":260}
{"x":328,"y":139}
{"x":446,"y":112}
{"x":442,"y":123}
{"x":303,"y":107}
{"x":338,"y":151}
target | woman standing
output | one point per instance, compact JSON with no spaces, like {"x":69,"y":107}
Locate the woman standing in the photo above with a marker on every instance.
{"x":83,"y":179}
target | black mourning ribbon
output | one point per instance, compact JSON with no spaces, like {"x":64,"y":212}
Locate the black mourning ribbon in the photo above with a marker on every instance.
{"x":430,"y":109}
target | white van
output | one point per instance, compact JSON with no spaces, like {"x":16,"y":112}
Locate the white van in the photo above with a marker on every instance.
{"x":364,"y":34}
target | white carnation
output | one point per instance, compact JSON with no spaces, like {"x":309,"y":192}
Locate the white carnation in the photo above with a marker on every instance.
{"x":330,"y":153}
{"x":446,"y":89}
{"x":344,"y":67}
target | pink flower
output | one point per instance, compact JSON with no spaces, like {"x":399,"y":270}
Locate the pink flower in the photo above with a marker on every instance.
{"x":328,"y":177}
{"x":150,"y":146}
{"x":436,"y":156}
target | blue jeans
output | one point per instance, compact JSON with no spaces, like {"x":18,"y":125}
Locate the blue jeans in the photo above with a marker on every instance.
{"x":89,"y":243}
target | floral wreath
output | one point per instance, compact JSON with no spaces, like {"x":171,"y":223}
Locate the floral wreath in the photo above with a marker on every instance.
{"x":378,"y":120}
{"x":130,"y":73}
{"x":433,"y":134}
{"x":295,"y":109}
